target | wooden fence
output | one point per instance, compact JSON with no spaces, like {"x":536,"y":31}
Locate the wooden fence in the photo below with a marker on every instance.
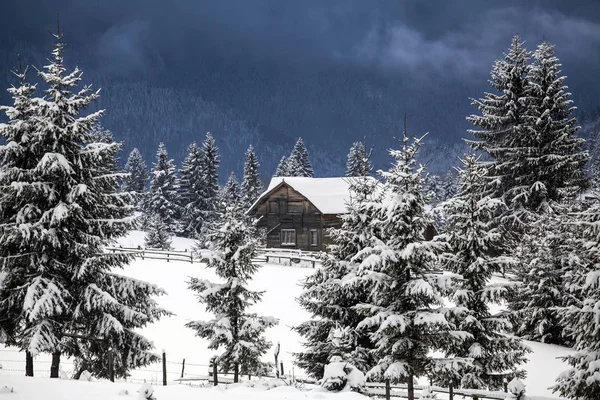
{"x":293,"y":256}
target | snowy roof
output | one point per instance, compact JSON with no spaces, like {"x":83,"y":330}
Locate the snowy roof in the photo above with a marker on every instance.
{"x":328,"y":195}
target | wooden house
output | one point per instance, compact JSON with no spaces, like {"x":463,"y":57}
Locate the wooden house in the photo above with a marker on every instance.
{"x":296,"y":212}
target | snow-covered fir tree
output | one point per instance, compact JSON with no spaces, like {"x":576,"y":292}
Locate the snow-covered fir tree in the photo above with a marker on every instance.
{"x":231,"y":195}
{"x":449,"y":186}
{"x":209,"y":192}
{"x":406,"y":310}
{"x":162,"y":198}
{"x":61,"y":206}
{"x":191,"y":186}
{"x":473,"y":245}
{"x":582,"y":380}
{"x":554,"y":158}
{"x":157,"y":234}
{"x":138,"y":173}
{"x":545,"y":251}
{"x":356,"y":156}
{"x":283,"y":168}
{"x":251,"y":185}
{"x":234,"y":330}
{"x":298,"y":163}
{"x":433,"y":188}
{"x":502,"y":123}
{"x":327,"y":294}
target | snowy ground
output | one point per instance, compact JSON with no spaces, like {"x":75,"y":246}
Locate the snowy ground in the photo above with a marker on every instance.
{"x":281,"y":285}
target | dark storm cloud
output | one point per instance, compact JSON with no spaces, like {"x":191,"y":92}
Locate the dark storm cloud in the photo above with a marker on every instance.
{"x":454,"y":37}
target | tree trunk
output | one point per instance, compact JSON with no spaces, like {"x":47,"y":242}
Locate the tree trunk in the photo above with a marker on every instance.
{"x":28,"y":364}
{"x":411,"y":387}
{"x":54,"y":367}
{"x":236,"y":373}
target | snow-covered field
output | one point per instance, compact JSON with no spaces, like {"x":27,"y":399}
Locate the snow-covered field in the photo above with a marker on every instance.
{"x":281,"y":285}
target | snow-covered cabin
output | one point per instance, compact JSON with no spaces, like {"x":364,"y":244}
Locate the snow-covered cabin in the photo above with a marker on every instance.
{"x":297,"y":211}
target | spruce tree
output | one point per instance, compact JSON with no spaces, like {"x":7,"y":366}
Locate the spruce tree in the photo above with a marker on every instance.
{"x":239,"y":333}
{"x":61,"y":207}
{"x":354,"y":165}
{"x":554,"y":161}
{"x":474,"y":244}
{"x":231,"y":196}
{"x":251,"y":185}
{"x":162,"y":198}
{"x":406,"y":310}
{"x":298,"y":164}
{"x":282,"y":167}
{"x":157,"y":236}
{"x":544,"y":252}
{"x":326,"y":295}
{"x":209,"y":191}
{"x":138,"y":176}
{"x":581,"y":381}
{"x":502,"y":123}
{"x":191,"y":186}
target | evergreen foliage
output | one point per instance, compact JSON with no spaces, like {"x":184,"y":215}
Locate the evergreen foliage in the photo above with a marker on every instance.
{"x":473,"y":244}
{"x":157,"y":235}
{"x":60,"y":208}
{"x":230,"y":195}
{"x":209,"y":189}
{"x":251,"y":185}
{"x":162,"y":199}
{"x":233,"y":329}
{"x":356,"y":156}
{"x":406,"y":310}
{"x":581,"y":381}
{"x":138,"y":173}
{"x":283,"y":168}
{"x":298,"y":163}
{"x":191,"y":186}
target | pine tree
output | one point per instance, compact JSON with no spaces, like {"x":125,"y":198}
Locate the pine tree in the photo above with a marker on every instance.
{"x":157,"y":236}
{"x":544,"y":251}
{"x":298,"y":163}
{"x":191,"y":186}
{"x":209,"y":192}
{"x":502,"y":123}
{"x":251,"y":185}
{"x":433,"y":187}
{"x":138,"y":175}
{"x":554,"y":161}
{"x":162,"y":197}
{"x":230,"y":195}
{"x":354,"y":166}
{"x":282,"y":167}
{"x":406,"y":310}
{"x":581,"y":381}
{"x":473,"y":244}
{"x":239,"y":333}
{"x":61,"y":207}
{"x":327,"y":297}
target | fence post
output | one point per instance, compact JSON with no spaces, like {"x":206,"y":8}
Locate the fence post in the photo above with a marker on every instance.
{"x":28,"y":364}
{"x":387,"y":389}
{"x":111,"y":365}
{"x":215,"y":378}
{"x":451,"y":392}
{"x":282,"y":373}
{"x":167,"y":257}
{"x":164,"y":363}
{"x":182,"y":368}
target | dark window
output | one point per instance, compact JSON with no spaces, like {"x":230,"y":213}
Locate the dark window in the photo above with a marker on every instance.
{"x":314,"y":237}
{"x":288,"y":237}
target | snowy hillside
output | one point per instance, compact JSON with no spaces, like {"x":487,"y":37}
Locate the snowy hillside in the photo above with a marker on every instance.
{"x":281,"y":286}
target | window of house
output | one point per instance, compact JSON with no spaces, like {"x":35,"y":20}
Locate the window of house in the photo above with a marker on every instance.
{"x":273,"y":207}
{"x":295,"y":207}
{"x":288,"y":237}
{"x":314,"y":237}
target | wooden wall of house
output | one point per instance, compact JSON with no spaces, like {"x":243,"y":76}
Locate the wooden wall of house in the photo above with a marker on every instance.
{"x":285,"y":208}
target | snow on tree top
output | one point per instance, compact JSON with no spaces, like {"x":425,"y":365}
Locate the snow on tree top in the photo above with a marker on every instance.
{"x":328,"y":195}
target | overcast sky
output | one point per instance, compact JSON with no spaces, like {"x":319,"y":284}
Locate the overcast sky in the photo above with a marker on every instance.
{"x":457,"y":37}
